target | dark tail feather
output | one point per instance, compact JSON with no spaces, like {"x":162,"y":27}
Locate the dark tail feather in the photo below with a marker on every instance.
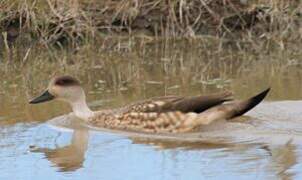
{"x":226,"y":111}
{"x":246,"y":105}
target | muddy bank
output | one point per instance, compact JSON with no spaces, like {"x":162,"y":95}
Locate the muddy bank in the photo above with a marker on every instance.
{"x":69,"y":22}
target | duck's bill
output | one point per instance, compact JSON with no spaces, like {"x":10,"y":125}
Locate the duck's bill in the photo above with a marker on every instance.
{"x":46,"y":96}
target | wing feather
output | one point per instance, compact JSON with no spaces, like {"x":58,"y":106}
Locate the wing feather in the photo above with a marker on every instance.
{"x":177,"y":103}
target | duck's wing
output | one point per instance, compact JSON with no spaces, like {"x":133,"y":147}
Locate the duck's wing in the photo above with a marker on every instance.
{"x":195,"y":104}
{"x":184,"y":121}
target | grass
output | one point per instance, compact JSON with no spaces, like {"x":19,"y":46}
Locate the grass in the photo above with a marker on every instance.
{"x":67,"y":32}
{"x":63,"y":22}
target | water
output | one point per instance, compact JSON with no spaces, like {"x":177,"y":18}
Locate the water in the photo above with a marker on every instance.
{"x":31,"y":148}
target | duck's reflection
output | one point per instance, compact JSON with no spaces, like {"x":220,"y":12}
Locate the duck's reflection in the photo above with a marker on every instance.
{"x":162,"y":144}
{"x":283,"y":158}
{"x":70,"y":157}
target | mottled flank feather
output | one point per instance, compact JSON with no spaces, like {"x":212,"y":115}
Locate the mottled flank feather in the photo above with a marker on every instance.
{"x":174,"y":114}
{"x":148,"y":122}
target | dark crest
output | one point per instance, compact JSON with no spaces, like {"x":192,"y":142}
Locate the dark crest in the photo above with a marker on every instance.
{"x":66,"y":81}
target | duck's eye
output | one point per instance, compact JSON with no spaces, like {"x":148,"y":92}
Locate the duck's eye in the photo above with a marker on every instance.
{"x":63,"y":82}
{"x":66,"y":81}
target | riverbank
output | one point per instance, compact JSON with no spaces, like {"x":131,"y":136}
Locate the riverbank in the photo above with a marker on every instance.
{"x":72,"y":22}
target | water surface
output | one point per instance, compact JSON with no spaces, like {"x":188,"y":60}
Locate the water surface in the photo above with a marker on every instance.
{"x":32,"y":149}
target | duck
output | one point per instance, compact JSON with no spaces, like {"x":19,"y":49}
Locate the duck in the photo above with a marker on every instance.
{"x":165,"y":114}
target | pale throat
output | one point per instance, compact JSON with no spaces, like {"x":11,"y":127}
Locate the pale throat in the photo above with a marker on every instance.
{"x":81,"y":110}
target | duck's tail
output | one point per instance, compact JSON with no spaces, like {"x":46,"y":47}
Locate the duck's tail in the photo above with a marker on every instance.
{"x":241,"y":107}
{"x":227,"y":111}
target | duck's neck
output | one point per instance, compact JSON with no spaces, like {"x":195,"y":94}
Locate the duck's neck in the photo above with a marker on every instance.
{"x":81,"y":110}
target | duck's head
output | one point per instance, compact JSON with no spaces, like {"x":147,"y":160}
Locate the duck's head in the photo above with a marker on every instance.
{"x":64,"y":88}
{"x":68,"y":89}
